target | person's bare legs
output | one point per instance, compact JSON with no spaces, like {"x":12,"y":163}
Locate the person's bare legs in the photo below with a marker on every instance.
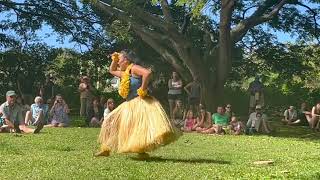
{"x":171,"y":106}
{"x":265,"y":126}
{"x":62,"y":125}
{"x":26,"y":129}
{"x":28,"y":118}
{"x":314,"y":121}
{"x":211,"y":130}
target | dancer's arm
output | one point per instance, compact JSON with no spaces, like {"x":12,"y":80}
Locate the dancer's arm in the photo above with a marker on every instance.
{"x":113,"y":69}
{"x":145,"y":73}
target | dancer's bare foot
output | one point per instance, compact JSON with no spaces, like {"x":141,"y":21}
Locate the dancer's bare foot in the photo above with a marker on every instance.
{"x":103,"y":153}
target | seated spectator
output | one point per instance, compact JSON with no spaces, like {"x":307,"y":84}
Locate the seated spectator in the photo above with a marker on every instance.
{"x":204,"y":120}
{"x":50,"y":103}
{"x":59,"y":112}
{"x":315,"y":115}
{"x":304,"y":115}
{"x":38,"y":112}
{"x":290,"y":116}
{"x":257,"y":122}
{"x":236,"y":127}
{"x":229,"y":111}
{"x":96,"y":113}
{"x":109,"y":107}
{"x":12,"y":118}
{"x":190,"y":122}
{"x":219,"y":121}
{"x":179,"y":114}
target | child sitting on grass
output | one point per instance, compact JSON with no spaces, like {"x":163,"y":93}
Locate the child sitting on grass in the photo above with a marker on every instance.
{"x":190,"y":122}
{"x":236,"y":127}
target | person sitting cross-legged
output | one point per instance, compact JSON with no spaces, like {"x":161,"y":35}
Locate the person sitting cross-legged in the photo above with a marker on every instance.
{"x":219,"y":120}
{"x":257,"y":122}
{"x":290,"y":116}
{"x":59,"y":112}
{"x":13,"y":119}
{"x":38,"y":112}
{"x":236,"y":127}
{"x":204,"y":121}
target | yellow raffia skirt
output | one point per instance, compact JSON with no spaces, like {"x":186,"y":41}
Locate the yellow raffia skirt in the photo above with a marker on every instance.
{"x":137,"y":126}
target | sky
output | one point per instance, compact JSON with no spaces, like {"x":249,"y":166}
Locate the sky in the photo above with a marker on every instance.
{"x":48,"y":36}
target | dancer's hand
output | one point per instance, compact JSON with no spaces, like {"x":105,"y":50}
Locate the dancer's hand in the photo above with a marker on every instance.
{"x":142,"y":93}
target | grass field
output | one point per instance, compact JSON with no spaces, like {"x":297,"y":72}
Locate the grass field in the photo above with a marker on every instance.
{"x":68,"y":154}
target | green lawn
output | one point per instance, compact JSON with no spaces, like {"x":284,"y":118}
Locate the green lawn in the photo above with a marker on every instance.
{"x":68,"y":154}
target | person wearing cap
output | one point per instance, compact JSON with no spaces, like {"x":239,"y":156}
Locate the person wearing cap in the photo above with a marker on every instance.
{"x":13,"y":118}
{"x":256,"y":90}
{"x":258,"y":121}
{"x":85,"y":97}
{"x":290,"y":116}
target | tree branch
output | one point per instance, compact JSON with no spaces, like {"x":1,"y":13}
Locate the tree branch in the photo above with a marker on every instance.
{"x":245,"y":11}
{"x":186,"y":22}
{"x":138,"y":12}
{"x":258,"y":17}
{"x":153,"y":40}
{"x":314,"y":17}
{"x":166,"y":11}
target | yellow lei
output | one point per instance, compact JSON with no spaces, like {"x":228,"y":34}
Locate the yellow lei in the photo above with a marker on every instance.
{"x":124,"y":87}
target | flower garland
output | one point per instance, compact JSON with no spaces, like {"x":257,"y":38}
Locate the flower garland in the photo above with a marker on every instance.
{"x":124,"y":87}
{"x":142,"y":93}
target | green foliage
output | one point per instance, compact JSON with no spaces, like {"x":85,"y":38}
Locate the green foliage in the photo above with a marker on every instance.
{"x":67,"y":153}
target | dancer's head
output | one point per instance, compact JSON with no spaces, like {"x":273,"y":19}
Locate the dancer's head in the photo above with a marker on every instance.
{"x":127,"y":57}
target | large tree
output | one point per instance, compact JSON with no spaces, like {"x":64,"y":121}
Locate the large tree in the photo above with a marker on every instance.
{"x":198,"y":38}
{"x":225,"y":26}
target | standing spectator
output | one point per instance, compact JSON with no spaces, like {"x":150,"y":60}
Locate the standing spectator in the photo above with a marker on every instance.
{"x":179,"y":114}
{"x":96,"y":113}
{"x":290,"y":116}
{"x":256,"y":90}
{"x":175,"y":91}
{"x":193,"y":90}
{"x":38,"y":112}
{"x":85,"y":89}
{"x":12,"y":116}
{"x":59,"y":112}
{"x":258,"y":121}
{"x":103,"y":102}
{"x":47,"y":89}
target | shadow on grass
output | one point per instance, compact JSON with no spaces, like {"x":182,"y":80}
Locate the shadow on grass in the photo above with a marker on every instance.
{"x":297,"y":132}
{"x":191,"y":161}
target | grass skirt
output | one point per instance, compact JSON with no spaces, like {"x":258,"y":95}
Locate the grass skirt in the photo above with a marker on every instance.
{"x":137,"y":126}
